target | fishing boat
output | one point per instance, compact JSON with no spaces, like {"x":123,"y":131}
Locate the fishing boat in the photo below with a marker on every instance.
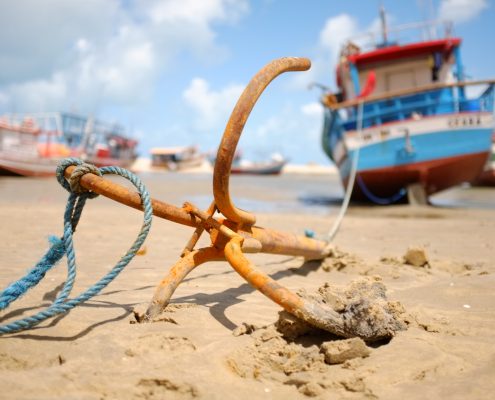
{"x":242,"y":166}
{"x":273,"y":166}
{"x":176,"y":158}
{"x":33,"y":144}
{"x":405,"y":122}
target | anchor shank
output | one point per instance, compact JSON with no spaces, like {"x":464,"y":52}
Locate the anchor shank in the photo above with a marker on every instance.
{"x":125,"y":196}
{"x":276,"y":242}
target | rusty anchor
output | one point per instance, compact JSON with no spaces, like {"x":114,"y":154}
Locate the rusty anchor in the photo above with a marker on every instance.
{"x":234,"y":233}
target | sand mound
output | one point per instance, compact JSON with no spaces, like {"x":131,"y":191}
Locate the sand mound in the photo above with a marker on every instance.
{"x":308,"y":362}
{"x":294,"y":352}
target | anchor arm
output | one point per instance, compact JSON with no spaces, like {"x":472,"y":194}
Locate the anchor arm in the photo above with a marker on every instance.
{"x":316,"y":314}
{"x":233,"y":131}
{"x":177,"y":273}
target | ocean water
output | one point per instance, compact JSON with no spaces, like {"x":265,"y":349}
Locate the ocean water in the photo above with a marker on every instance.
{"x":292,"y":193}
{"x":319,"y":194}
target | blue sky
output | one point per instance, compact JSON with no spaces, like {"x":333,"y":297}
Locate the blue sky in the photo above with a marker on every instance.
{"x":171,"y":71}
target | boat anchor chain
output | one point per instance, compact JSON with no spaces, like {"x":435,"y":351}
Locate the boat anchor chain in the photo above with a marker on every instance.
{"x":233,"y":232}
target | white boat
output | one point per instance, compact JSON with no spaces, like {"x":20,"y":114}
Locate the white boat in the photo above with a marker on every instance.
{"x":33,"y":144}
{"x":176,"y":158}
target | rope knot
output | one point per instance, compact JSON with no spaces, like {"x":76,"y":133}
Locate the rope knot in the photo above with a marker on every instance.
{"x":73,"y":185}
{"x":77,"y":174}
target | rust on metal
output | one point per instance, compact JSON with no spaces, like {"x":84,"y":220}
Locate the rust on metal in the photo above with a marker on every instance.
{"x":198,"y":232}
{"x":266,"y":285}
{"x":130,"y":198}
{"x":233,"y":131}
{"x":177,"y":273}
{"x":232,"y":233}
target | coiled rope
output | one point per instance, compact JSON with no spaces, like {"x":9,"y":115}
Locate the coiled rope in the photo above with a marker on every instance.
{"x":59,"y":247}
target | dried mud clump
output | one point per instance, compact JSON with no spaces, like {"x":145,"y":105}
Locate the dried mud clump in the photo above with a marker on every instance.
{"x":416,"y":256}
{"x":363,"y":308}
{"x":337,"y":260}
{"x":292,"y":327}
{"x":298,"y":354}
{"x":366,"y":310}
{"x":339,"y":351}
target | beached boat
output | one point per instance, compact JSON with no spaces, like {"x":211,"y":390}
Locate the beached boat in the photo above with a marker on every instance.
{"x":240,"y":165}
{"x":33,"y":144}
{"x":176,"y":158}
{"x":407,"y":115}
{"x":273,"y":166}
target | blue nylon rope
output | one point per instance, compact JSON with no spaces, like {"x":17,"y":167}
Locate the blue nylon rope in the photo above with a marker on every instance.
{"x":380,"y":200}
{"x":17,"y":289}
{"x":59,"y":247}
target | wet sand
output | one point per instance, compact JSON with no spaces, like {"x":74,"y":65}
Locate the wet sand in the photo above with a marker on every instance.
{"x":98,"y":352}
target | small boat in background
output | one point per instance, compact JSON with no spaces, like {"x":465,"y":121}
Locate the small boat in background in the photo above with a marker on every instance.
{"x":408,"y":115}
{"x":273,"y":166}
{"x":34,"y":144}
{"x":176,"y":158}
{"x":240,"y":165}
{"x":25,"y":149}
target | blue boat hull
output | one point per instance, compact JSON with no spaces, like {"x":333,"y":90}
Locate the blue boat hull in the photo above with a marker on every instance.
{"x":424,"y":148}
{"x":419,"y":139}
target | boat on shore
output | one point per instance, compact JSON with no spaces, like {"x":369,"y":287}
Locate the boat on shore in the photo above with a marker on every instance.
{"x":242,"y":166}
{"x":34,"y":144}
{"x":408,"y":117}
{"x":273,"y":166}
{"x":176,"y":158}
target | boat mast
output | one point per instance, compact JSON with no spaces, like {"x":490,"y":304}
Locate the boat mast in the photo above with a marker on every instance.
{"x":87,"y":133}
{"x":383,"y":20}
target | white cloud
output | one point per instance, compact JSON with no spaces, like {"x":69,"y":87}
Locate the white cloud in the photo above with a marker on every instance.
{"x":39,"y":95}
{"x":36,"y":37}
{"x":101,"y":50}
{"x":82,"y":45}
{"x":336,"y":31}
{"x":461,"y":10}
{"x":212,"y":107}
{"x":333,"y":35}
{"x":196,"y":12}
{"x":271,"y":127}
{"x":314,"y":109}
{"x":289,"y":131}
{"x":4,"y":99}
{"x":187,"y":24}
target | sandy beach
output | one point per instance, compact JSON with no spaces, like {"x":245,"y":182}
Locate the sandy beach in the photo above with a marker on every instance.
{"x":203,"y":347}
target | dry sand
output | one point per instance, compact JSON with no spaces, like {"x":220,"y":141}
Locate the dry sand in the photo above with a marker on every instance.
{"x":198,"y":350}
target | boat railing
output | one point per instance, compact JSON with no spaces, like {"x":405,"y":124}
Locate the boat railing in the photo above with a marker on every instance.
{"x":427,"y":30}
{"x":415,"y":103}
